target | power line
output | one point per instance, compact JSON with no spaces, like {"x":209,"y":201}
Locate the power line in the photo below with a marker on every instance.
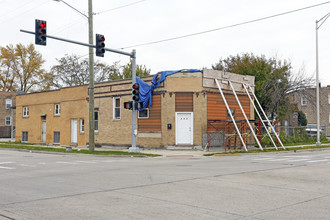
{"x":123,"y":6}
{"x":18,"y":15}
{"x":225,"y":27}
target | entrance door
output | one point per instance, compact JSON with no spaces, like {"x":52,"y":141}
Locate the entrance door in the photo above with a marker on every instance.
{"x":43,"y":132}
{"x":74,"y":131}
{"x":184,"y":128}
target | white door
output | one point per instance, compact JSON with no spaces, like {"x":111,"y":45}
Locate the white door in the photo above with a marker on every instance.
{"x":74,"y":131}
{"x":43,"y":132}
{"x":184,"y":128}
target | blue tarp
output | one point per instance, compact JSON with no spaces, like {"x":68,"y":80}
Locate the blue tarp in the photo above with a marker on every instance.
{"x":146,"y":89}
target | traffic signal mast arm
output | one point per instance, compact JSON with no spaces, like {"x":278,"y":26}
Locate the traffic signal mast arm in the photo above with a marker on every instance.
{"x":132,"y":55}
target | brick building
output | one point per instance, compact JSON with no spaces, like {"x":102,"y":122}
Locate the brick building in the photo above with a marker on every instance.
{"x":181,"y":108}
{"x":306,"y":102}
{"x":7,"y":113}
{"x":54,"y":117}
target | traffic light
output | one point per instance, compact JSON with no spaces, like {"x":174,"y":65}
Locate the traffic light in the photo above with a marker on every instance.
{"x":128,"y":105}
{"x":41,"y":31}
{"x":100,"y":45}
{"x":136,"y":92}
{"x":138,"y":105}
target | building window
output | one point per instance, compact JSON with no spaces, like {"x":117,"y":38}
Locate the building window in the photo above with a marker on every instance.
{"x":96,"y":120}
{"x":56,"y":137}
{"x":329,"y":118}
{"x":144,"y":113}
{"x":26,"y":111}
{"x":82,"y":125}
{"x":25,"y":136}
{"x":232,"y":112}
{"x":329,"y":99}
{"x":8,"y":121}
{"x":116,"y":108}
{"x":303,"y":101}
{"x":57,"y":109}
{"x":8,"y":103}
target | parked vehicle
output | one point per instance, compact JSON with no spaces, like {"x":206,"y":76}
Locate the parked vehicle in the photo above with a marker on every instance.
{"x":311,"y":130}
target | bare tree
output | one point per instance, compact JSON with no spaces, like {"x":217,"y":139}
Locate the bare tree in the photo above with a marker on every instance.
{"x":71,"y":70}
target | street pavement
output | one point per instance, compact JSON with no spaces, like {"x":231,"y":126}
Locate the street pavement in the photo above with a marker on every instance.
{"x":178,"y":185}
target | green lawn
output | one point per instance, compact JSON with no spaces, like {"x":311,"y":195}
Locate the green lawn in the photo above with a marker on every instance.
{"x":79,"y":151}
{"x":287,"y":148}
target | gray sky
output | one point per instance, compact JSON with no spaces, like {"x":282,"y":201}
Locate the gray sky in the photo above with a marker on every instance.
{"x":290,"y":37}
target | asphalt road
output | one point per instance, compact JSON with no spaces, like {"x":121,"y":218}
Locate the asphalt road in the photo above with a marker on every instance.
{"x":283,"y":185}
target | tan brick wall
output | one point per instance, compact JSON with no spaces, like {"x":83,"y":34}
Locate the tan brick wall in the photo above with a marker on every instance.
{"x":200,"y":118}
{"x":73,"y":106}
{"x":168,"y":117}
{"x":113,"y":131}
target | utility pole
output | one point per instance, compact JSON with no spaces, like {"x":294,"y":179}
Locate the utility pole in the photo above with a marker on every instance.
{"x":91,"y":78}
{"x":317,"y":26}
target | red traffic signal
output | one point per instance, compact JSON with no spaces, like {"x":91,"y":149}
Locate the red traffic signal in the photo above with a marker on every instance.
{"x":43,"y":25}
{"x":100,"y":45}
{"x":40,"y":32}
{"x":136,"y":92}
{"x":128,"y":105}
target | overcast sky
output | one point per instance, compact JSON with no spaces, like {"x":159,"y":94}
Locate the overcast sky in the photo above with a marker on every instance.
{"x":290,"y":37}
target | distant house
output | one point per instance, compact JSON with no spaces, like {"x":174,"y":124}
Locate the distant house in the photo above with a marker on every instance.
{"x":181,"y":107}
{"x":306,"y":102}
{"x":7,"y":113}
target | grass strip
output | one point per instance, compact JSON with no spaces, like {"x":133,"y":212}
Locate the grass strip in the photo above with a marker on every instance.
{"x":78,"y":151}
{"x":268,"y":150}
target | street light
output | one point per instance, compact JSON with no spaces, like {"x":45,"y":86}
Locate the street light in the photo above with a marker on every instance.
{"x":91,"y":71}
{"x":317,"y":26}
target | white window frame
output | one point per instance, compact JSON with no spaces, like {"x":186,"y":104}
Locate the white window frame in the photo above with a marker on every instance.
{"x":26,"y":111}
{"x":96,"y":121}
{"x":329,"y":99}
{"x":116,"y":107}
{"x":82,"y":126}
{"x":9,"y":103}
{"x":303,"y":101}
{"x":57,"y":109}
{"x":9,"y":120}
{"x":141,"y":117}
{"x":329,"y":118}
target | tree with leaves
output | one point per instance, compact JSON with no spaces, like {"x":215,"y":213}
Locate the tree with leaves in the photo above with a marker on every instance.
{"x":21,"y":69}
{"x":274,"y":80}
{"x":141,"y":70}
{"x":73,"y":71}
{"x":302,"y":120}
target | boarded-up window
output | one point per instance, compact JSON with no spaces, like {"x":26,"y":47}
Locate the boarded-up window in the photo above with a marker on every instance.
{"x":153,"y":123}
{"x":184,"y":102}
{"x":216,"y":108}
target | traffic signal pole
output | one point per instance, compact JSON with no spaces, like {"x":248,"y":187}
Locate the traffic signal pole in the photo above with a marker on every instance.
{"x":83,"y":44}
{"x":133,"y":148}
